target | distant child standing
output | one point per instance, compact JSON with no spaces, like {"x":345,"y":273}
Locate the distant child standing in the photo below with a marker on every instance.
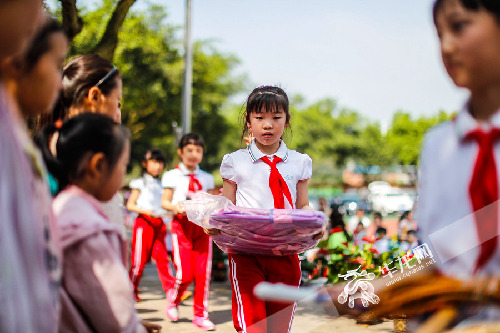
{"x":90,"y":163}
{"x":150,"y":231}
{"x":264,"y":175}
{"x":192,"y":248}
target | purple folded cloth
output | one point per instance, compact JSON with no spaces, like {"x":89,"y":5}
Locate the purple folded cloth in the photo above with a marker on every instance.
{"x":266,"y":232}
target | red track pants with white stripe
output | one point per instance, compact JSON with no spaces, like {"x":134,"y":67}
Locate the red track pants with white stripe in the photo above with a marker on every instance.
{"x":192,"y":249}
{"x":251,"y":315}
{"x":148,"y":240}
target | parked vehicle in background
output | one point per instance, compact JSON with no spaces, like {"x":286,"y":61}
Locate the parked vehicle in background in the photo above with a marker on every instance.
{"x":387,"y":199}
{"x":348,"y":203}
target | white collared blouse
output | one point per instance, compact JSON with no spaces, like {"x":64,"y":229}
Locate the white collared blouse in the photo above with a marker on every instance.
{"x":251,"y":175}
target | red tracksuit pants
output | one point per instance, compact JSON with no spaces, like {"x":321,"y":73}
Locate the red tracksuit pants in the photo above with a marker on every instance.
{"x":192,"y":249}
{"x":148,"y":240}
{"x":251,"y":315}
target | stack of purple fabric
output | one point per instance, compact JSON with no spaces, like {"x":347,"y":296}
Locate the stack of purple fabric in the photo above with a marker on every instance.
{"x":267,"y":232}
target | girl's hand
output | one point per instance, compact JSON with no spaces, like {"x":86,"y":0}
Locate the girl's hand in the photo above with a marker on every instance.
{"x":150,"y":327}
{"x":179,"y":209}
{"x":211,"y":231}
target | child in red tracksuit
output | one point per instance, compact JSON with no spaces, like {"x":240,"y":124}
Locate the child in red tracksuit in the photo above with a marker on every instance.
{"x":264,"y":175}
{"x":192,"y":248}
{"x":148,"y":237}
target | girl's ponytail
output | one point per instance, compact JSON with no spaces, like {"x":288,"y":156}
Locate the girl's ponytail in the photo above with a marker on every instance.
{"x":54,"y":166}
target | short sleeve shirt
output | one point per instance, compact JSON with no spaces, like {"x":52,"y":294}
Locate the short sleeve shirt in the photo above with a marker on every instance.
{"x":151,"y":192}
{"x":245,"y":168}
{"x":178,"y":180}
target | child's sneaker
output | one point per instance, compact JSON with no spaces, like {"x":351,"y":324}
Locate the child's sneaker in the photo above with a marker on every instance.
{"x":203,"y":323}
{"x":172,"y":313}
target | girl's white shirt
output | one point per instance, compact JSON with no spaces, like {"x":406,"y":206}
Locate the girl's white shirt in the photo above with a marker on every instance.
{"x":150,"y":192}
{"x":178,"y":180}
{"x":444,"y":211}
{"x":444,"y":207}
{"x":245,"y":168}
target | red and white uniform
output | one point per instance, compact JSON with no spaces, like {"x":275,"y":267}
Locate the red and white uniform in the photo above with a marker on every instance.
{"x":251,"y":174}
{"x":447,"y":203}
{"x":148,"y":236}
{"x":191,"y":246}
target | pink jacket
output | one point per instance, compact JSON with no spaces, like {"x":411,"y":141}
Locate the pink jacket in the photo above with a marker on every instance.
{"x":96,"y":294}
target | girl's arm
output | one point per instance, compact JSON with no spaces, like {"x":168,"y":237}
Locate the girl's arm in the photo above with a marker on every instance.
{"x":303,"y":203}
{"x":302,"y":195}
{"x":132,"y":203}
{"x":228,"y":191}
{"x":166,"y":201}
{"x":96,"y":284}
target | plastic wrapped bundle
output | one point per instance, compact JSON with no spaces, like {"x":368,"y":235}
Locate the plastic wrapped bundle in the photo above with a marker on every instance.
{"x":268,"y":232}
{"x":256,"y":231}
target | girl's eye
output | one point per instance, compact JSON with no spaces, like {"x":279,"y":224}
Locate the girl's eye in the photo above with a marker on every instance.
{"x":259,"y":117}
{"x":458,"y":26}
{"x":276,"y":118}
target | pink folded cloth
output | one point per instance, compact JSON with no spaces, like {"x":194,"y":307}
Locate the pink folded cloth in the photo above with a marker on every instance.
{"x":266,"y":232}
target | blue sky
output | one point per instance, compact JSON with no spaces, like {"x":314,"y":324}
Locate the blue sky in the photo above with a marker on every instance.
{"x":371,"y":56}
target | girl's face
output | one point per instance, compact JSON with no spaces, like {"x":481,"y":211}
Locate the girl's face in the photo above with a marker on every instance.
{"x":470,"y":45}
{"x":112,"y":180}
{"x":39,"y":98}
{"x":111,"y":104}
{"x":153,"y":167}
{"x":18,"y":20}
{"x":191,"y":155}
{"x":267,"y":128}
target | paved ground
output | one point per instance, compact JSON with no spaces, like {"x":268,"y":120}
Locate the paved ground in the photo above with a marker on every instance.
{"x":309,"y":318}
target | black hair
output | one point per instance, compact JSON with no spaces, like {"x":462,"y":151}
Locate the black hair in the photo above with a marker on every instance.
{"x":377,"y":214}
{"x":153,"y":154}
{"x":411,"y":232}
{"x":79,"y":75}
{"x":337,"y":220}
{"x":491,"y":6}
{"x":266,"y":99}
{"x":191,"y":138}
{"x":381,"y":230}
{"x":79,"y":138}
{"x":40,"y":44}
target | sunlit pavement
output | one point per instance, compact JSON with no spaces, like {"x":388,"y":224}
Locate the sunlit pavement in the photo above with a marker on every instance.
{"x":309,"y":318}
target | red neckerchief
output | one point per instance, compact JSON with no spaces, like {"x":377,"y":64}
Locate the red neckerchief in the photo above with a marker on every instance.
{"x":277,"y":184}
{"x":483,"y":191}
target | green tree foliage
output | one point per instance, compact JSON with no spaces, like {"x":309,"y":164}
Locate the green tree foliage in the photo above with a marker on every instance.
{"x":404,"y":138}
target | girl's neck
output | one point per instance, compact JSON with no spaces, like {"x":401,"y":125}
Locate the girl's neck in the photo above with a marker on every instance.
{"x":190,"y":168}
{"x":268,"y":150}
{"x":484,"y":104}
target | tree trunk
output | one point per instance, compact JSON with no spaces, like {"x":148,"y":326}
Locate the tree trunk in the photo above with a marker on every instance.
{"x":72,"y":22}
{"x":109,"y":40}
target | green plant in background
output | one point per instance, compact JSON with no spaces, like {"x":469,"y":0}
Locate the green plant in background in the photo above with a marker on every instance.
{"x":332,"y":260}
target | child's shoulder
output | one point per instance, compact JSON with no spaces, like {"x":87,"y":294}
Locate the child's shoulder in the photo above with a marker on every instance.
{"x":137,"y":183}
{"x":441,"y":135}
{"x":295,"y":155}
{"x":236,"y":155}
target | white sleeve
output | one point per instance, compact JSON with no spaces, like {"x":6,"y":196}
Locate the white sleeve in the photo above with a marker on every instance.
{"x":137,"y":184}
{"x":210,"y":182}
{"x":227,"y":168}
{"x":169,"y":180}
{"x":306,"y":167}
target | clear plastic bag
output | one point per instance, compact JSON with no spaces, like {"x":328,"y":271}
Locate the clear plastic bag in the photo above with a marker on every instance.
{"x":202,"y":205}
